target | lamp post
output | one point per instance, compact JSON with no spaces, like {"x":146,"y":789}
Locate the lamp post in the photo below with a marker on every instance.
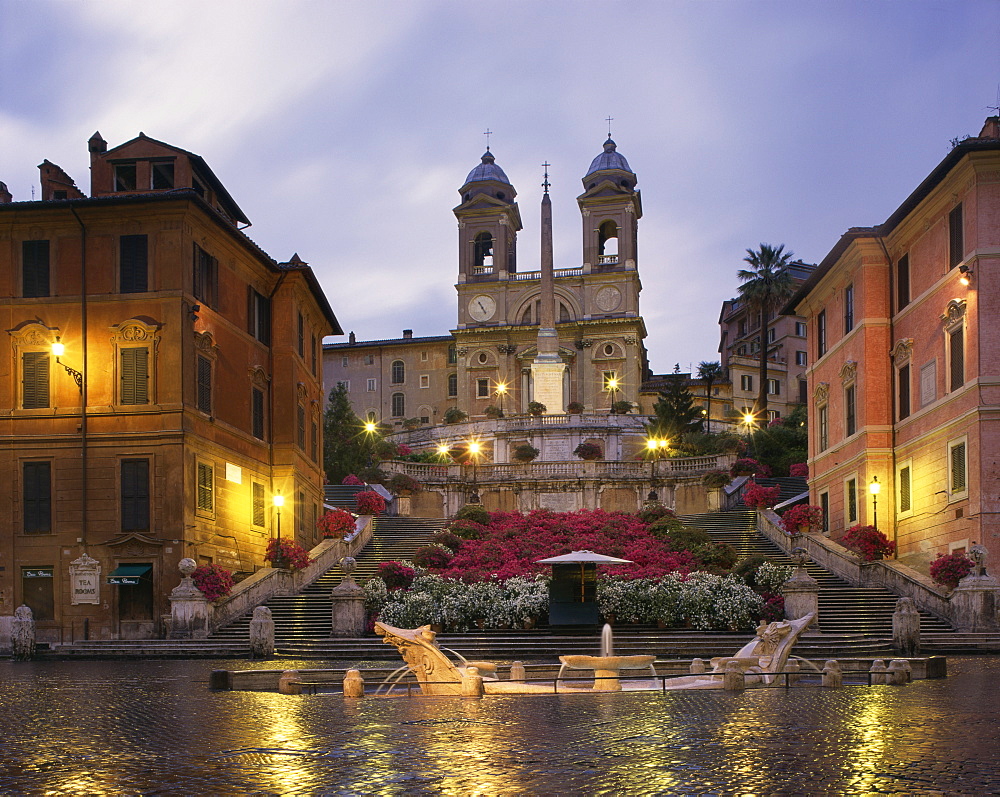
{"x":501,"y":391}
{"x":874,"y":488}
{"x":611,"y":385}
{"x":473,"y":448}
{"x":655,"y":447}
{"x":370,"y":429}
{"x":279,"y":560}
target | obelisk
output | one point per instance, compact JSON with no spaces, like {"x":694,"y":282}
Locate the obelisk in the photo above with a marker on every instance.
{"x":548,"y":368}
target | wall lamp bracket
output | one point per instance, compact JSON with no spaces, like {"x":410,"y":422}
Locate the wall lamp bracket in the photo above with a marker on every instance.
{"x":965,"y":274}
{"x":57,"y":349}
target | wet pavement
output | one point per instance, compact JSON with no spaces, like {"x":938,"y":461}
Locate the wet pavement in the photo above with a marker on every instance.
{"x":153,"y":727}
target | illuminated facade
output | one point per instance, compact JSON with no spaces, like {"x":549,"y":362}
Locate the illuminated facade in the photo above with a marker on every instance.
{"x":161,"y":384}
{"x":904,"y":381}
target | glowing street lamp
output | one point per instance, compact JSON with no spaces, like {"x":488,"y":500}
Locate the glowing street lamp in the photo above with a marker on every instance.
{"x":501,"y":391}
{"x":473,"y":449}
{"x":59,"y":349}
{"x":279,"y":560}
{"x":874,"y":489}
{"x":612,"y":385}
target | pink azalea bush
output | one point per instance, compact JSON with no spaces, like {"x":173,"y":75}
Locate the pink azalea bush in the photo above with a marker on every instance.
{"x":799,"y":470}
{"x":396,"y":575}
{"x":869,"y":543}
{"x":512,"y":543}
{"x":757,"y":497}
{"x":336,"y":523}
{"x":213,"y":580}
{"x":802,"y":515}
{"x":747,"y":466}
{"x":404,"y":450}
{"x":369,"y":502}
{"x":949,"y":569}
{"x":294,"y":554}
{"x":352,"y":480}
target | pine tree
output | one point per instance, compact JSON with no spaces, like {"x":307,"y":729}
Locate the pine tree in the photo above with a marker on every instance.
{"x":675,"y":410}
{"x":347,"y":448}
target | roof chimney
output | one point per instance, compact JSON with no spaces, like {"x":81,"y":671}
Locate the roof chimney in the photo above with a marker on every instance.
{"x":5,"y":195}
{"x":407,"y":334}
{"x":352,"y":338}
{"x":992,"y":128}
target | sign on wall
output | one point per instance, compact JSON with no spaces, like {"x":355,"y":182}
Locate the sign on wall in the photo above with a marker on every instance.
{"x":85,"y":580}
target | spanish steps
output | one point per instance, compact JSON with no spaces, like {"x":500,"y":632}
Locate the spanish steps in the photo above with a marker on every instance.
{"x":854,"y":621}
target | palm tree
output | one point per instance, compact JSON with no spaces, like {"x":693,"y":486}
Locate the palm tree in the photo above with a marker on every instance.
{"x":766,"y":285}
{"x":710,"y":373}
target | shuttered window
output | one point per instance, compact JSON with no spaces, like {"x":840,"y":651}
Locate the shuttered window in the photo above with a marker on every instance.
{"x":133,"y":264}
{"x":259,"y":316}
{"x":850,"y":410}
{"x":902,"y":282}
{"x":206,"y":277}
{"x":958,"y":482}
{"x":848,"y":308}
{"x":302,"y":336}
{"x":956,"y":353}
{"x":905,"y":501}
{"x":314,"y":441}
{"x":134,"y":381}
{"x":135,"y":494}
{"x":821,"y":334}
{"x":37,"y":486}
{"x":852,"y":500}
{"x":206,"y":488}
{"x":956,"y":238}
{"x":258,"y":504}
{"x":301,"y":427}
{"x":903,"y":375}
{"x":257,"y":413}
{"x":205,"y":385}
{"x":34,"y":268}
{"x":34,"y":380}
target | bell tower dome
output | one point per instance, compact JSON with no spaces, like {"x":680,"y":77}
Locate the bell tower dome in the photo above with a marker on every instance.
{"x":611,"y":207}
{"x":488,"y":223}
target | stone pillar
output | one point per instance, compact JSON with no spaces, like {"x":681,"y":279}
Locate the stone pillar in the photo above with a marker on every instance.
{"x":906,"y":628}
{"x":898,"y":672}
{"x":733,"y":679}
{"x":877,"y":672}
{"x":517,"y":673}
{"x":22,"y":634}
{"x":697,"y":666}
{"x":976,"y":599}
{"x":348,"y":599}
{"x":261,"y":634}
{"x":833,"y":676}
{"x":188,"y":606}
{"x":472,"y":683}
{"x":801,"y":591}
{"x":354,"y":684}
{"x":287,"y":683}
{"x":793,"y":667}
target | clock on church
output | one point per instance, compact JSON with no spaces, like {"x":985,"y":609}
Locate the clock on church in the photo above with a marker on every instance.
{"x":482,"y":307}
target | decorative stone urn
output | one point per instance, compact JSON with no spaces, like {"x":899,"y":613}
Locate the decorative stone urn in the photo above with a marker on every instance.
{"x":189,"y":608}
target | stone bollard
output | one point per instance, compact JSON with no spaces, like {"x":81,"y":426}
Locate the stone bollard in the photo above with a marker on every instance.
{"x":472,"y":683}
{"x":898,"y":672}
{"x":287,"y":683}
{"x":801,"y":591}
{"x":517,"y":673}
{"x":261,"y":633}
{"x":906,"y":628}
{"x":697,"y":666}
{"x":793,"y":668}
{"x":347,"y":614}
{"x":22,"y":634}
{"x":354,"y":684}
{"x":877,"y":672}
{"x":733,"y":680}
{"x":832,"y":675}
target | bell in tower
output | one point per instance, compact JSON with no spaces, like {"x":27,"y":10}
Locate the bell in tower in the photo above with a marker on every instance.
{"x":488,"y":223}
{"x":611,"y":208}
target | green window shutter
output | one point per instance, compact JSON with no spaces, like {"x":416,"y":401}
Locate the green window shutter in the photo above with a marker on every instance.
{"x":34,"y":380}
{"x":958,"y":483}
{"x":904,"y":490}
{"x":258,"y":504}
{"x":205,"y":385}
{"x":206,"y":487}
{"x":257,"y":413}
{"x":134,"y":376}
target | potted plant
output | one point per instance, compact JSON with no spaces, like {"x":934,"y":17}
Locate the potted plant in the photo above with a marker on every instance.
{"x":715,"y":479}
{"x":802,"y":518}
{"x":524,"y":453}
{"x":493,"y":412}
{"x":454,"y":415}
{"x":589,"y":451}
{"x":213,"y":580}
{"x":369,"y":502}
{"x":336,"y":524}
{"x":536,"y":408}
{"x":868,"y":542}
{"x":403,"y":484}
{"x":287,"y":553}
{"x":621,"y":408}
{"x":574,"y":408}
{"x":948,"y":569}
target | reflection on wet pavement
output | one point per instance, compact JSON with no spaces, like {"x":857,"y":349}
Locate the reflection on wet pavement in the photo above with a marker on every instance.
{"x":154,"y":727}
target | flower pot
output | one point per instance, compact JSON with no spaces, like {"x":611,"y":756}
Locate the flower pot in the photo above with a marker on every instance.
{"x":528,"y":623}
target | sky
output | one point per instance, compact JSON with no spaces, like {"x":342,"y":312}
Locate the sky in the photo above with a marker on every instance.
{"x":345,"y":129}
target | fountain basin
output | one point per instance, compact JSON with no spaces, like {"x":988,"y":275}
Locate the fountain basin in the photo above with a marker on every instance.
{"x":607,"y":668}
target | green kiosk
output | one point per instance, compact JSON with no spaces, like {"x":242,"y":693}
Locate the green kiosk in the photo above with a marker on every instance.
{"x":573,"y":589}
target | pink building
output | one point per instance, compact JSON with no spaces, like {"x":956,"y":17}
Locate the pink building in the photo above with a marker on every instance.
{"x":904,"y":381}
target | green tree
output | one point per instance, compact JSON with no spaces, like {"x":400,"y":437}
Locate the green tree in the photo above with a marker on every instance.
{"x":347,"y":447}
{"x":675,"y":410}
{"x":782,"y":444}
{"x":766,"y":286}
{"x":710,"y":373}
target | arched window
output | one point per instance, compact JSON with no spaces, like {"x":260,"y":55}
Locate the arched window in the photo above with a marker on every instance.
{"x":398,"y":405}
{"x":564,"y":314}
{"x":607,"y":242}
{"x":483,"y":250}
{"x":398,"y":372}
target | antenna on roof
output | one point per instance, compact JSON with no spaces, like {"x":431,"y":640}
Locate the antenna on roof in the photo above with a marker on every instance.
{"x":609,"y":120}
{"x":488,"y":133}
{"x":996,"y":107}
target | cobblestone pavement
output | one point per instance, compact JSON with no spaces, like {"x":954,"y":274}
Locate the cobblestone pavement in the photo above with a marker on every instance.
{"x":142,"y":727}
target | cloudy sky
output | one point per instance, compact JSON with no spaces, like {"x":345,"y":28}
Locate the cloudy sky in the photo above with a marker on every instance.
{"x":344,"y":129}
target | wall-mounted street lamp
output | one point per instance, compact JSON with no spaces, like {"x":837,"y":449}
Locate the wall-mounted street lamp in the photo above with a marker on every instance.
{"x":875,"y":488}
{"x":58,"y":349}
{"x":965,"y":275}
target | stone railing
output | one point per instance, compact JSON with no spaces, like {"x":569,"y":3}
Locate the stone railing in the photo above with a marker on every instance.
{"x":269,"y":581}
{"x":889,"y":574}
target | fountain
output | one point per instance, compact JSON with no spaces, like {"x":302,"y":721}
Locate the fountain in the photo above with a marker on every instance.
{"x":760,"y":660}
